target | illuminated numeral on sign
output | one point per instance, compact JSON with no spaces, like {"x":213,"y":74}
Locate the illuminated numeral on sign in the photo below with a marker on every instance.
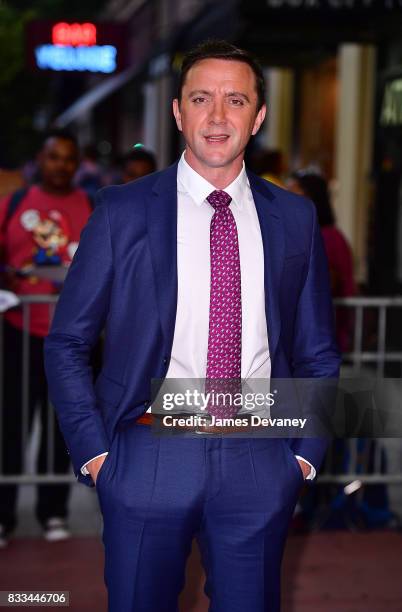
{"x":74,"y":34}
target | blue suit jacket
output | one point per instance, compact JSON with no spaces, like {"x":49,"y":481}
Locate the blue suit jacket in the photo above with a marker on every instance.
{"x":124,"y":278}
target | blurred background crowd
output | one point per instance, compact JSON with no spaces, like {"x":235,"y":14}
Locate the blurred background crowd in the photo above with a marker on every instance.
{"x":333,"y":75}
{"x":85,"y":102}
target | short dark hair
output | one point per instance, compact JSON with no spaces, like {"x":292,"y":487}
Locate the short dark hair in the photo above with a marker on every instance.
{"x":221,"y":49}
{"x":63,"y":134}
{"x":316,"y":188}
{"x":141,"y":154}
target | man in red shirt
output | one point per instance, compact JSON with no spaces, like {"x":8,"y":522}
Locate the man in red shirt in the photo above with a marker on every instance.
{"x":38,"y":238}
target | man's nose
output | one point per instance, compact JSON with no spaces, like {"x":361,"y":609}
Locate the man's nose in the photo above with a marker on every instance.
{"x":59,"y":163}
{"x":218,"y":112}
{"x":62,"y":166}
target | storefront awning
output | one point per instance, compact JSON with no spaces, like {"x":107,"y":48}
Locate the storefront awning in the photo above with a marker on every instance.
{"x":95,"y":95}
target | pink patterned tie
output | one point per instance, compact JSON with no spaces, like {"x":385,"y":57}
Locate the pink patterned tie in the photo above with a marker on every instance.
{"x":224,"y":338}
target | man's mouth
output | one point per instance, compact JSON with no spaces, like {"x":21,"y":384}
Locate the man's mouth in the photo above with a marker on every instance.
{"x":216,"y":138}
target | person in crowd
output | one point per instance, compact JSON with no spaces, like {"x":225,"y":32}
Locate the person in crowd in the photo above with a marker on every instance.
{"x":200,"y":271}
{"x":89,"y":173}
{"x":39,"y":232}
{"x":340,"y":259}
{"x":137,"y":163}
{"x":269,"y":163}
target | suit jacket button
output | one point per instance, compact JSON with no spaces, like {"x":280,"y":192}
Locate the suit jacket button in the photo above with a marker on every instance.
{"x":165,"y":360}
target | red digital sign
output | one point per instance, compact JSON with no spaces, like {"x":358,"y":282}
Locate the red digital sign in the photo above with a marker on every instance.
{"x":74,"y":34}
{"x":76,"y":47}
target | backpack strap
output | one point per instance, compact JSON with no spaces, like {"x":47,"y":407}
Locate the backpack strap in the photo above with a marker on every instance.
{"x":13,"y":204}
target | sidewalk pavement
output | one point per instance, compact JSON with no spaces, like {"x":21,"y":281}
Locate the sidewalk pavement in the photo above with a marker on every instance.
{"x":323,"y":572}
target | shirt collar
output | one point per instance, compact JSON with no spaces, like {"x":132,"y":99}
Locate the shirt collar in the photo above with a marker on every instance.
{"x":198,"y":188}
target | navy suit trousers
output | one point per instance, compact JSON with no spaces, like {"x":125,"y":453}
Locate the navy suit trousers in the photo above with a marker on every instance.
{"x":235,"y":495}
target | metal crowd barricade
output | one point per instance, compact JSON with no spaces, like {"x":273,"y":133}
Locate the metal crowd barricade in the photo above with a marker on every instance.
{"x":366,"y":466}
{"x":28,"y":476}
{"x":357,"y":359}
{"x":380,"y":355}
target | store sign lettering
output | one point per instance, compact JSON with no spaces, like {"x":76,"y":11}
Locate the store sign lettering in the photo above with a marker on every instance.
{"x":74,"y":34}
{"x":74,"y":48}
{"x":92,"y":59}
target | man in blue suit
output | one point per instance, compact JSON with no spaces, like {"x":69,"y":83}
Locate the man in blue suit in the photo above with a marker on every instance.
{"x":203,"y":270}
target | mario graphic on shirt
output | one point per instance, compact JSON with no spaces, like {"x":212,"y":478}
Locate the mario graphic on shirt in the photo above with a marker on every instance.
{"x":51,"y":237}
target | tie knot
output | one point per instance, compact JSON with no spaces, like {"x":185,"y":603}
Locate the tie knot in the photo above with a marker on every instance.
{"x":219,"y":199}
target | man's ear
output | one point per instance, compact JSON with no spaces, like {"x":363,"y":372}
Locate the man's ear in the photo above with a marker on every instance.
{"x":259,"y":119}
{"x":177,"y":113}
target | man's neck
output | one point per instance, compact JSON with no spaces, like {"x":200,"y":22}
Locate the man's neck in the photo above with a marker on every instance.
{"x":55,"y":191}
{"x":221,"y":177}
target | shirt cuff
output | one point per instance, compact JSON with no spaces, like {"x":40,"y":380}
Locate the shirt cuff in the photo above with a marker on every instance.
{"x":313,"y":472}
{"x":84,"y":470}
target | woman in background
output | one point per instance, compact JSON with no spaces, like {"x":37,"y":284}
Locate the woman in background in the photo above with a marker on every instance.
{"x":340,"y":259}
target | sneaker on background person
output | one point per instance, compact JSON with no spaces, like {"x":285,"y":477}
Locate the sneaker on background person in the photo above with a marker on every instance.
{"x":56,"y":529}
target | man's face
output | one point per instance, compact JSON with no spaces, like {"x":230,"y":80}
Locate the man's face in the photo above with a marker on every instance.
{"x":218,"y":112}
{"x":135,"y":169}
{"x":58,"y":163}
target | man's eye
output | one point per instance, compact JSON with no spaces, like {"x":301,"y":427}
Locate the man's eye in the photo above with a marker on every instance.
{"x":199,"y":100}
{"x":236,"y":102}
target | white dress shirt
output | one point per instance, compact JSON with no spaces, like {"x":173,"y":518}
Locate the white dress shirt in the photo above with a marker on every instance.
{"x":194,"y":214}
{"x":190,"y":340}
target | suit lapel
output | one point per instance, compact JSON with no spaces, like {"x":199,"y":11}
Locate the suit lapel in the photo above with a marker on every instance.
{"x":162,"y":232}
{"x":273,"y":243}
